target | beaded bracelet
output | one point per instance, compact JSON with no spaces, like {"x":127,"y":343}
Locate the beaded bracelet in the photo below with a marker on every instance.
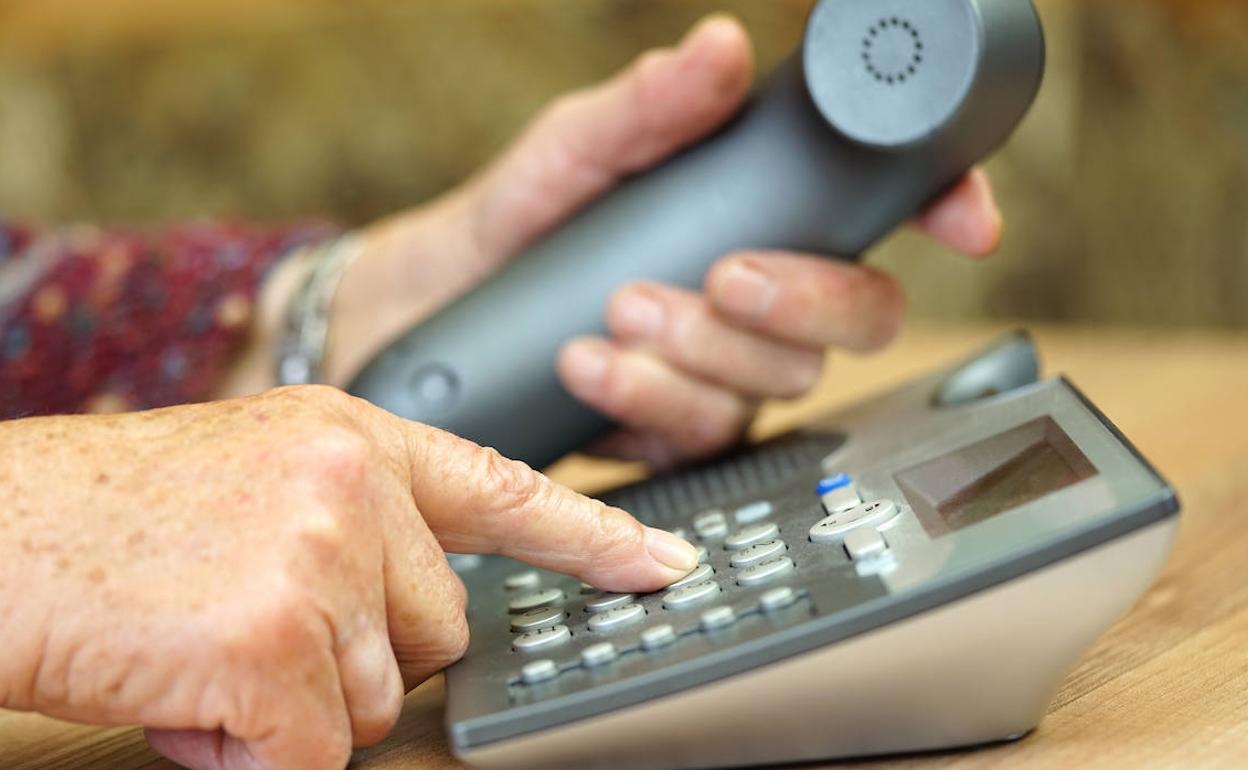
{"x":301,"y":354}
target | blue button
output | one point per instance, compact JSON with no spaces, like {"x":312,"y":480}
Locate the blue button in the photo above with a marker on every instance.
{"x":833,"y":483}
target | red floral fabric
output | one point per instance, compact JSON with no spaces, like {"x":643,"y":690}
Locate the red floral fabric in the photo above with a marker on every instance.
{"x":122,"y":320}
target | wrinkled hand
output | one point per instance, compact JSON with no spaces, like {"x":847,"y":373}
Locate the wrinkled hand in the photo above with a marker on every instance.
{"x":683,"y":371}
{"x":258,"y":581}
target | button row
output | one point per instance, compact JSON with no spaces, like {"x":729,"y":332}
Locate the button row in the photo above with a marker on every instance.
{"x":652,"y":639}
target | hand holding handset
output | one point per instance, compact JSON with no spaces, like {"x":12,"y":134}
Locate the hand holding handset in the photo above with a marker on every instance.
{"x":886,"y":105}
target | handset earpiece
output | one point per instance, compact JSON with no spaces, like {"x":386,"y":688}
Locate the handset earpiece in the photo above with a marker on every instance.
{"x":885,"y":106}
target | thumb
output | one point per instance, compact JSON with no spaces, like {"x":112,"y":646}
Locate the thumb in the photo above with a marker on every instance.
{"x":202,"y":750}
{"x":587,"y":142}
{"x":477,"y":501}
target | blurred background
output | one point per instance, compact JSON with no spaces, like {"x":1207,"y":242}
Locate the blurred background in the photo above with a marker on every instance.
{"x":1126,"y":193}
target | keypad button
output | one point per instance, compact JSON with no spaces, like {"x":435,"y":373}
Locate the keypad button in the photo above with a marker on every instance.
{"x":700,"y":573}
{"x":546,"y":598}
{"x":703,"y":554}
{"x":464,"y":562}
{"x":833,"y":483}
{"x":657,"y":637}
{"x":709,"y":518}
{"x":716,"y":618}
{"x":711,"y":525}
{"x":757,"y":552}
{"x":521,"y":581}
{"x":604,"y":602}
{"x":840,"y":499}
{"x":620,"y":616}
{"x":748,"y":514}
{"x":777,"y":599}
{"x":755,"y":533}
{"x":598,"y":655}
{"x":541,"y":639}
{"x":834,"y":528}
{"x":679,"y":598}
{"x":865,"y":543}
{"x":539,"y":671}
{"x":714,"y":532}
{"x":765,"y":571}
{"x":539,"y":618}
{"x":586,"y":588}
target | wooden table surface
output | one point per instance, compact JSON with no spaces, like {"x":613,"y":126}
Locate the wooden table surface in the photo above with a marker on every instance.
{"x":1167,"y":688}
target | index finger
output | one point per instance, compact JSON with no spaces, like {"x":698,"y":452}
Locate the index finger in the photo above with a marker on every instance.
{"x":477,"y":501}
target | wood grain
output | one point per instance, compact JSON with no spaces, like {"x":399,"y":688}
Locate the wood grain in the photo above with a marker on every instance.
{"x":1167,"y":687}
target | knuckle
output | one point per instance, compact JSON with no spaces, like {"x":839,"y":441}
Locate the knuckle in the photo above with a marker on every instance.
{"x":332,"y":453}
{"x":321,"y":395}
{"x":278,"y":628}
{"x":456,"y":643}
{"x":443,"y":647}
{"x":514,"y":484}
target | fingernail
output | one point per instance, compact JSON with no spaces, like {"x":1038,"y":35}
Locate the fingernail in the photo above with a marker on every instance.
{"x":671,"y":551}
{"x":585,"y":367}
{"x":745,"y":292}
{"x":638,"y":315}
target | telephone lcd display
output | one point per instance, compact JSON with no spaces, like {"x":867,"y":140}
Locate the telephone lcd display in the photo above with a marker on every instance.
{"x":999,"y":474}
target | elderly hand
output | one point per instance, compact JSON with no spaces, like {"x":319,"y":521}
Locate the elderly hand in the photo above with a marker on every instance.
{"x":683,"y":372}
{"x":258,"y":581}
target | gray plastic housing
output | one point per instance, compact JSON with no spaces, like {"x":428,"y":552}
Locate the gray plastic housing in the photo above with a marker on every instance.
{"x":1019,"y":609}
{"x":885,"y":106}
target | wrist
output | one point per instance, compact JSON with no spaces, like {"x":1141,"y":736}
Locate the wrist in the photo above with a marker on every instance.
{"x":253,"y":370}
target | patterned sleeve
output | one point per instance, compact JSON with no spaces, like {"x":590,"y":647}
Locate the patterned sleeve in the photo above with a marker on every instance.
{"x":109,"y":321}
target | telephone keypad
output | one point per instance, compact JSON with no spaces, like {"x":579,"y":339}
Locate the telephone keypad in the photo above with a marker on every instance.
{"x":743,"y":563}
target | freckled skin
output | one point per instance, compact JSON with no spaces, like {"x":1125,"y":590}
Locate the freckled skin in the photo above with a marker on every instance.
{"x":265,"y":573}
